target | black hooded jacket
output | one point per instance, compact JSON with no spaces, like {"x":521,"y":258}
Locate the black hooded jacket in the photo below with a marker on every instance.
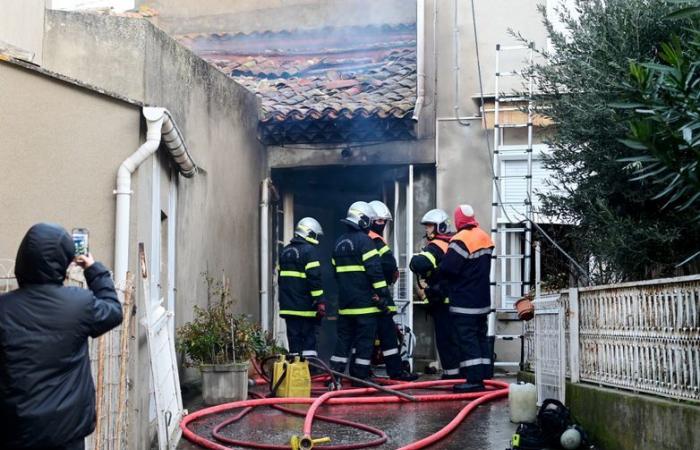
{"x":47,"y":397}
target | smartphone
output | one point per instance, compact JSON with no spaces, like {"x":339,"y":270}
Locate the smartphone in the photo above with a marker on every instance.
{"x":81,"y":240}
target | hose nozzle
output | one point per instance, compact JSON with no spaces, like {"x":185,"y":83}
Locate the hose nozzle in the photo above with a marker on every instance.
{"x":306,"y":442}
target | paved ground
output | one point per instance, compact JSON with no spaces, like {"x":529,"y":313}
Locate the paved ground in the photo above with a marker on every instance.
{"x":487,"y":428}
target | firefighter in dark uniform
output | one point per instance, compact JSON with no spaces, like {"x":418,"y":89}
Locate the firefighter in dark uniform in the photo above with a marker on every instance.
{"x":363,"y":292}
{"x":425,"y":265}
{"x":302,"y":303}
{"x":466,"y":267}
{"x":386,"y":327}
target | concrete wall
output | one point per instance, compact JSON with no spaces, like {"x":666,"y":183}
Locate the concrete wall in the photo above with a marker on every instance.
{"x":245,"y":16}
{"x":60,"y":148}
{"x":621,"y":420}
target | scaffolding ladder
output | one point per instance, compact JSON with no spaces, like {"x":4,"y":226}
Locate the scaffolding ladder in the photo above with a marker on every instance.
{"x":511,"y":227}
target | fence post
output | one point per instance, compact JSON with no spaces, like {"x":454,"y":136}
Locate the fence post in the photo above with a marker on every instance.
{"x":574,"y":363}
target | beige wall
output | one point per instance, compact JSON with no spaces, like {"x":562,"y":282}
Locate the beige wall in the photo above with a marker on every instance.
{"x":60,"y":148}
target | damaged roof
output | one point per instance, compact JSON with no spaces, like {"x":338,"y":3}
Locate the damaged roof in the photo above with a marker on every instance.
{"x":323,"y":85}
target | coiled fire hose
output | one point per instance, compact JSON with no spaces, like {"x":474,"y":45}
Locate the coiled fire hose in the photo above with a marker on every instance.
{"x":359,"y":396}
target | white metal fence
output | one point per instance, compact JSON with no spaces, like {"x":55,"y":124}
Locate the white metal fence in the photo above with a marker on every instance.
{"x":641,"y":336}
{"x":550,"y":352}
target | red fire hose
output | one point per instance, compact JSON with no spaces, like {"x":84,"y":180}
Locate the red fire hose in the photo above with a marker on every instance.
{"x":499,"y":389}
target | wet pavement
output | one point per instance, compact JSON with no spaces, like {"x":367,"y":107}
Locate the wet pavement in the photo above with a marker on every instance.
{"x":486,"y":428}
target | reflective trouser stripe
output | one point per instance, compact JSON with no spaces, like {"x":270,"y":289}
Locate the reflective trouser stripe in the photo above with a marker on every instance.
{"x":362,"y":361}
{"x":471,"y":311}
{"x":338,"y":359}
{"x":312,"y":264}
{"x":393,"y":309}
{"x":369,"y":254}
{"x":317,"y":293}
{"x":292,"y":273}
{"x":289,"y":312}
{"x":451,"y":371}
{"x":358,"y":311}
{"x":383,"y":250}
{"x":471,"y":362}
{"x":309,"y":353}
{"x":485,"y":361}
{"x":391,"y":351}
{"x":341,"y":269}
{"x":379,"y":284}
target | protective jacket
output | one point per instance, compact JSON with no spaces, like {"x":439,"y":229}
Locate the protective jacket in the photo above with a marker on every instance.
{"x":359,"y":274}
{"x":300,"y":287}
{"x":389,"y":266}
{"x":425,"y":264}
{"x":47,"y":396}
{"x":466,"y":267}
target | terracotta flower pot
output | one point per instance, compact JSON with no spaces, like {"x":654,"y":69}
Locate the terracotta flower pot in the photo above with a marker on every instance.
{"x":525,"y":308}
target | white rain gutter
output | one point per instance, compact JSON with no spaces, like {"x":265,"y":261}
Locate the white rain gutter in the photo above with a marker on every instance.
{"x":420,"y":58}
{"x":264,"y":255}
{"x":160,"y":127}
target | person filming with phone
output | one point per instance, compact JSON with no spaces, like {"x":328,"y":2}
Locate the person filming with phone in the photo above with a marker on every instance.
{"x":47,"y":396}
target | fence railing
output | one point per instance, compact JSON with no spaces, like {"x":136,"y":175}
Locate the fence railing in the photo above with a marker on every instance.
{"x":643,"y":336}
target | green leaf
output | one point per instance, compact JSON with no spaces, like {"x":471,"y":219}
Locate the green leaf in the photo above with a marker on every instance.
{"x":684,"y":13}
{"x":634,"y":144}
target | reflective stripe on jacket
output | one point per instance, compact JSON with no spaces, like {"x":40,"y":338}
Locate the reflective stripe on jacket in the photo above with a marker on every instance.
{"x":466,"y":268}
{"x":425,"y":264}
{"x":358,"y":271}
{"x":300,"y":287}
{"x":389,"y":266}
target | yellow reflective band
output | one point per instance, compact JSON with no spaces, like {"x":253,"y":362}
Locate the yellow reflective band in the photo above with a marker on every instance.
{"x":379,"y":284}
{"x":393,"y":308}
{"x":292,"y":273}
{"x":358,"y":311}
{"x":447,"y":301}
{"x":311,"y":240}
{"x":317,"y":293}
{"x":289,"y":312}
{"x":340,"y":269}
{"x":312,"y":264}
{"x":383,"y":250}
{"x":430,"y":257}
{"x":370,"y":254}
{"x":333,"y":261}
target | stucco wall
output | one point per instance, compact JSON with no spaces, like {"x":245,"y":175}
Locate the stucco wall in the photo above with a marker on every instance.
{"x":217,"y":209}
{"x":60,"y":148}
{"x":26,"y":33}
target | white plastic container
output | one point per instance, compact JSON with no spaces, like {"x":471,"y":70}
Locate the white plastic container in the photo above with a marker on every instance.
{"x":522,"y":399}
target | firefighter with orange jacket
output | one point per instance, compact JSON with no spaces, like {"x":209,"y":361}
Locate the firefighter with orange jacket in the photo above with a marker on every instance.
{"x":425,"y":265}
{"x":466,"y":268}
{"x":386,"y":327}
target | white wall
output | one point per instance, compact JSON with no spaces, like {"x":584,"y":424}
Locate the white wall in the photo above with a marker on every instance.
{"x":117,"y":5}
{"x":22,"y":26}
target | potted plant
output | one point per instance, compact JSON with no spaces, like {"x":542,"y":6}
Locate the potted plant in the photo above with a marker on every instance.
{"x":220,"y":343}
{"x":525,"y":307}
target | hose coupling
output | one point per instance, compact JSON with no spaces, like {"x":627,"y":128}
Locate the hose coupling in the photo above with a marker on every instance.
{"x":306,"y":442}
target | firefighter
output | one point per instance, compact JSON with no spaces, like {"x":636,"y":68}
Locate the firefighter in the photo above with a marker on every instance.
{"x":425,"y":266}
{"x":386,"y":327}
{"x":466,"y":268}
{"x":302,"y":303}
{"x":363,"y":292}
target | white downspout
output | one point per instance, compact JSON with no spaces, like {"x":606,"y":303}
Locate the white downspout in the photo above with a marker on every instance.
{"x":264,"y":255}
{"x":154,"y":123}
{"x":420,"y":58}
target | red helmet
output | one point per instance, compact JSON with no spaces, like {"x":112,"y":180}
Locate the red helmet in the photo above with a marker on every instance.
{"x":464,"y":217}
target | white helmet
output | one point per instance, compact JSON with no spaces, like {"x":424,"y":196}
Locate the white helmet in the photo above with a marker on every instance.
{"x":438,"y":217}
{"x":381,"y":210}
{"x":308,"y":228}
{"x":360,"y":214}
